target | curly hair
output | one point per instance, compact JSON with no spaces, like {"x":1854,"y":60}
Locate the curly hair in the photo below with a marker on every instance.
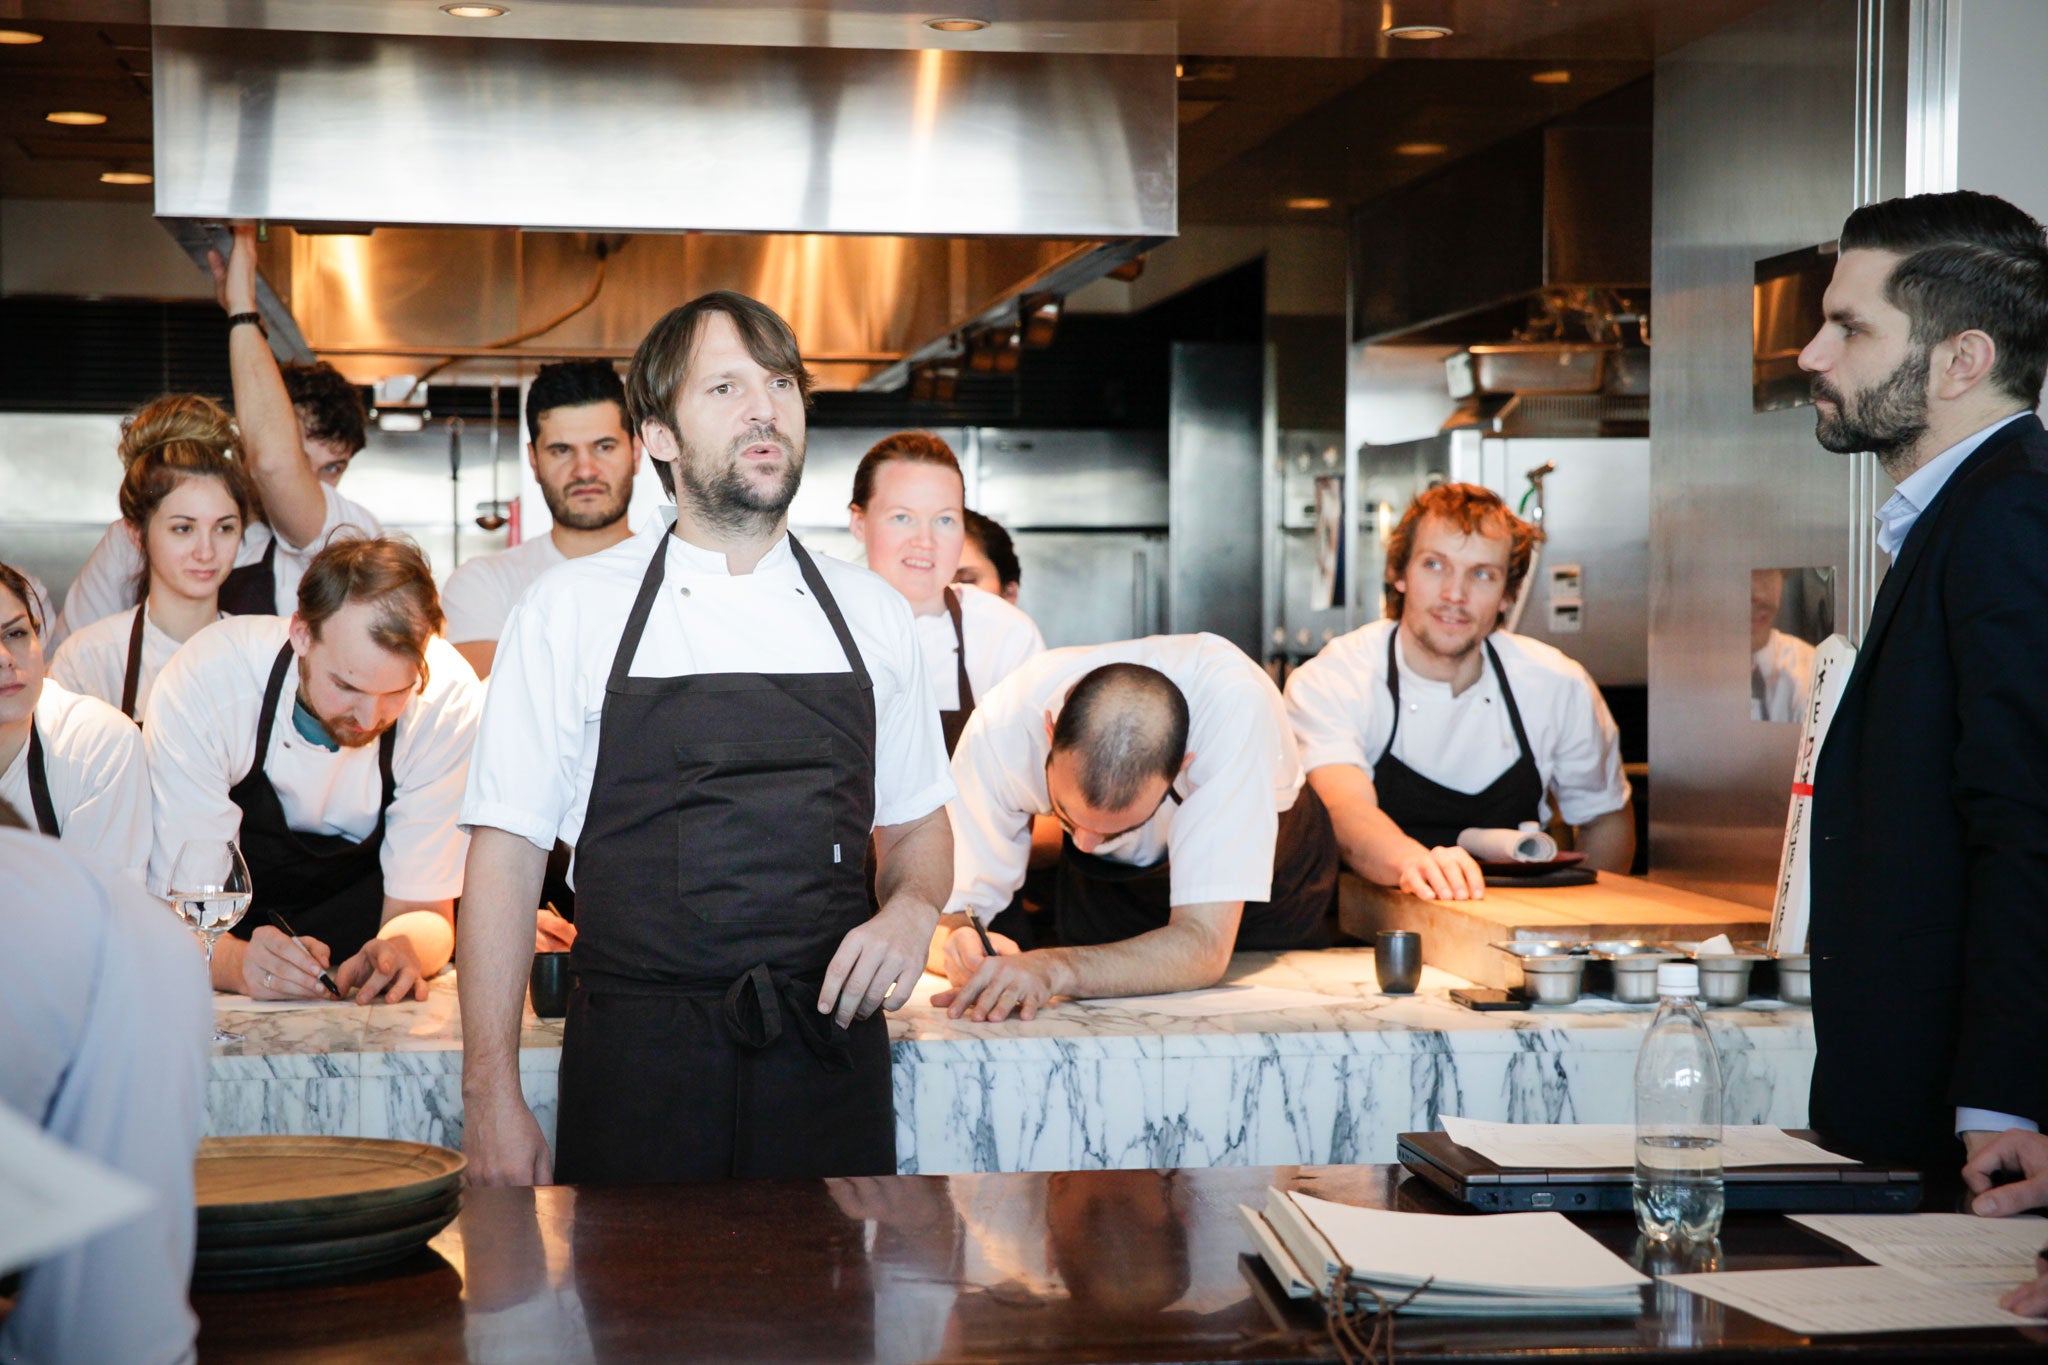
{"x":329,"y":407}
{"x":1473,"y":511}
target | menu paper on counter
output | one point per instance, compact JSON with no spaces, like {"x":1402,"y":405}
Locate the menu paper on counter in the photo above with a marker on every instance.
{"x":1215,"y":1000}
{"x":1830,"y":1300}
{"x":1939,"y":1248}
{"x":1605,"y":1146}
{"x":1832,"y":662}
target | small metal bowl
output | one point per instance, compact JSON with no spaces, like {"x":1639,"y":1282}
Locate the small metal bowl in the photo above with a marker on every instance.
{"x":1795,"y":978}
{"x":1724,"y":977}
{"x":1553,"y":971}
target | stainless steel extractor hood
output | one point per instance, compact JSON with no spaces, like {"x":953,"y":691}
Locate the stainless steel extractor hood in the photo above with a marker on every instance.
{"x":886,"y":201}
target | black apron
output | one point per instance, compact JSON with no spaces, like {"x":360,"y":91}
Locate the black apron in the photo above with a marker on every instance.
{"x":722,"y":859}
{"x":39,"y":785}
{"x":252,"y":589}
{"x":1100,"y":900}
{"x":132,"y":679}
{"x":1431,"y":813}
{"x":326,"y":885}
{"x":951,"y":723}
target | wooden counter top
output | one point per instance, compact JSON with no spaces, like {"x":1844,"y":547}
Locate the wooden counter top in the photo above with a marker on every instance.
{"x":1101,"y":1266}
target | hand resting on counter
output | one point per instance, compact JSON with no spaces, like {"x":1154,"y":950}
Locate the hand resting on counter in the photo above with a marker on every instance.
{"x":2026,"y":1153}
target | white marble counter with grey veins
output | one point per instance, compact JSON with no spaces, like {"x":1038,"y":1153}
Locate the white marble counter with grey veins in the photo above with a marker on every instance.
{"x":1086,"y":1085}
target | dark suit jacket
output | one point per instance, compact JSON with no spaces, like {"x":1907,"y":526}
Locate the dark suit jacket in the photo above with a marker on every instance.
{"x":1930,"y":858}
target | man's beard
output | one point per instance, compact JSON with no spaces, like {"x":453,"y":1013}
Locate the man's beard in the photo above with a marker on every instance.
{"x":1889,"y":417}
{"x":343,"y":732}
{"x":725,"y":498}
{"x":565,"y":514}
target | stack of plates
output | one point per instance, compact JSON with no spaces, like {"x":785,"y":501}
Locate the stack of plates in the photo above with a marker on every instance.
{"x":283,"y":1210}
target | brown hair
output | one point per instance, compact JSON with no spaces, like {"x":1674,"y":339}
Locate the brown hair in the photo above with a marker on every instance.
{"x":662,"y":362}
{"x":1472,"y":510}
{"x":914,"y":447}
{"x":16,"y":582}
{"x":329,"y":408}
{"x":391,"y":573}
{"x":178,"y":437}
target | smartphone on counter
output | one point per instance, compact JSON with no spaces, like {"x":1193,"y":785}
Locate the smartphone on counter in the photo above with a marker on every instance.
{"x":1486,"y":998}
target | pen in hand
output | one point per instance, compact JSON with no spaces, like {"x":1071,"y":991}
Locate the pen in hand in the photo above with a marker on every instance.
{"x":988,"y":949}
{"x":325,"y":979}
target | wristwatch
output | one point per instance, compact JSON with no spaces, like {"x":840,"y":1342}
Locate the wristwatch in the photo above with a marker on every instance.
{"x":256,"y":319}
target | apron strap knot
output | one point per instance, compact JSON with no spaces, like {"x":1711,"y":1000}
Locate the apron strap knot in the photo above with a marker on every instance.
{"x":754,"y":1006}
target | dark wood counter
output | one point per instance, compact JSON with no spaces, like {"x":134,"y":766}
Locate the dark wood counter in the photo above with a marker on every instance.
{"x":1103,"y":1266}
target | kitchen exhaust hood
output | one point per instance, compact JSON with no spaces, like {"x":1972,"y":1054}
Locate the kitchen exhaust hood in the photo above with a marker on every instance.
{"x":891,"y":203}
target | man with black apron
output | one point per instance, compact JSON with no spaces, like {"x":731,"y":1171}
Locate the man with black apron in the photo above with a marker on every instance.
{"x":332,"y":747}
{"x":1434,"y":722}
{"x":1186,"y":831}
{"x":717,"y":721}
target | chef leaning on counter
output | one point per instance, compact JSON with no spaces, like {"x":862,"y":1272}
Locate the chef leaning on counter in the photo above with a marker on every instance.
{"x":299,"y":430}
{"x":718,"y":722}
{"x":584,"y":460}
{"x":72,"y":765}
{"x":1184,"y":830}
{"x":332,"y":745}
{"x":1437,"y":720}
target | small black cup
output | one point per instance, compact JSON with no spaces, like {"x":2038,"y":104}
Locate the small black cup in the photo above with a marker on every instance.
{"x":1397,"y":959}
{"x":550,"y":985}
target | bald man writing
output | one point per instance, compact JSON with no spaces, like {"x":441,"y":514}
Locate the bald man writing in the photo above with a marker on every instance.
{"x":1166,"y":773}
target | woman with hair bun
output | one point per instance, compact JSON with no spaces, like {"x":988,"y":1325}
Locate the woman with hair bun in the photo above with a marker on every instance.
{"x":185,"y":503}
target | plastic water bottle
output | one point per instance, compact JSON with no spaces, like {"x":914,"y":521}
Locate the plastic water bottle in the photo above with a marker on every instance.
{"x":1678,"y":1189}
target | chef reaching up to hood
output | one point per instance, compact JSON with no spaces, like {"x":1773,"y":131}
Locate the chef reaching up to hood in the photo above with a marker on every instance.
{"x":1185,"y":831}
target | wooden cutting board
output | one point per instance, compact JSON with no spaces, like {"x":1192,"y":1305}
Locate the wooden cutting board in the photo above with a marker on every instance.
{"x":1457,"y":935}
{"x":279,"y":1176}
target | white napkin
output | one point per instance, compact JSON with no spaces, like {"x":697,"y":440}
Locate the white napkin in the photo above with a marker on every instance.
{"x":1528,"y":845}
{"x":1717,"y":946}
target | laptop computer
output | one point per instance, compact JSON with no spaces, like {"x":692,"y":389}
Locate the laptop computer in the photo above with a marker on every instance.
{"x":1478,"y":1183}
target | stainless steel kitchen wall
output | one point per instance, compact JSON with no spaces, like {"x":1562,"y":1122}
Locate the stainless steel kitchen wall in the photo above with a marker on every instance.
{"x":389,"y":129}
{"x":1767,"y":134}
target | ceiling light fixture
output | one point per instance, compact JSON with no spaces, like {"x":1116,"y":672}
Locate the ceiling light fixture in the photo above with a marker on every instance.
{"x":1552,"y":78}
{"x":1308,"y":203}
{"x":1420,"y":149}
{"x":957,"y":25}
{"x":1416,"y":19}
{"x":126,"y":178}
{"x":75,"y":118}
{"x":18,"y":37}
{"x":473,"y":11}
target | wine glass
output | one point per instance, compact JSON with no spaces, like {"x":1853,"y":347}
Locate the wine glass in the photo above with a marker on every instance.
{"x":209,"y":889}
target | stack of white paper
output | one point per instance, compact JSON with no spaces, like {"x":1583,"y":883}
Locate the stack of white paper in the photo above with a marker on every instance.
{"x":1519,"y":1264}
{"x":1597,"y":1146}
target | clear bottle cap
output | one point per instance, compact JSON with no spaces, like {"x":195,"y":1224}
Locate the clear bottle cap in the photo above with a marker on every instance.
{"x":1678,"y":978}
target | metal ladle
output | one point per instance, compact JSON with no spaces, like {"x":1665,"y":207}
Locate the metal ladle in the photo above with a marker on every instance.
{"x":494,"y":518}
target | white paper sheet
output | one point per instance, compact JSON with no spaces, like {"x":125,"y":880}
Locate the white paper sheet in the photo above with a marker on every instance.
{"x":1595,"y":1146}
{"x":1857,"y":1298}
{"x":1939,"y":1248}
{"x":52,"y":1198}
{"x":1217,"y":1000}
{"x":242,"y":1004}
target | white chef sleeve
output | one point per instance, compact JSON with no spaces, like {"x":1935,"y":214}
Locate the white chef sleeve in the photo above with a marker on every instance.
{"x":1220,"y":844}
{"x":1328,"y":706}
{"x":111,"y":817}
{"x":1585,"y":768}
{"x":106,"y":584}
{"x":474,"y":603}
{"x":424,"y":847}
{"x":530,"y":737}
{"x":193,"y":759}
{"x":991,"y":823}
{"x":911,"y":775}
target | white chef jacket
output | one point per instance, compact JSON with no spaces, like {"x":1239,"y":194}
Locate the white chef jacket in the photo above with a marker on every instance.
{"x":111,"y":578}
{"x":999,"y":637}
{"x":537,"y":748}
{"x":479,"y":595}
{"x":1219,"y":836}
{"x":106,"y":1012}
{"x":200,"y":733}
{"x":99,"y":785}
{"x":1342,"y":713}
{"x":94,"y":661}
{"x":1785,"y":667}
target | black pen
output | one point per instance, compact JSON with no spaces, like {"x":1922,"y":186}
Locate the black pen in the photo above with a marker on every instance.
{"x":988,"y":949}
{"x":325,"y":979}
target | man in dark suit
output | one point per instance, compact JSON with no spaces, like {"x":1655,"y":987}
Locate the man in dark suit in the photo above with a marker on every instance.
{"x":1930,"y":865}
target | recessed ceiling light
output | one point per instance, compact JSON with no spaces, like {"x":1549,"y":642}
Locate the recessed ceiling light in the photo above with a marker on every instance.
{"x":126,"y":178}
{"x":473,"y":11}
{"x":18,"y":37}
{"x":1418,"y":19}
{"x":1420,"y":149}
{"x":1307,"y":203}
{"x":75,"y":118}
{"x":1552,"y":78}
{"x":957,"y":25}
